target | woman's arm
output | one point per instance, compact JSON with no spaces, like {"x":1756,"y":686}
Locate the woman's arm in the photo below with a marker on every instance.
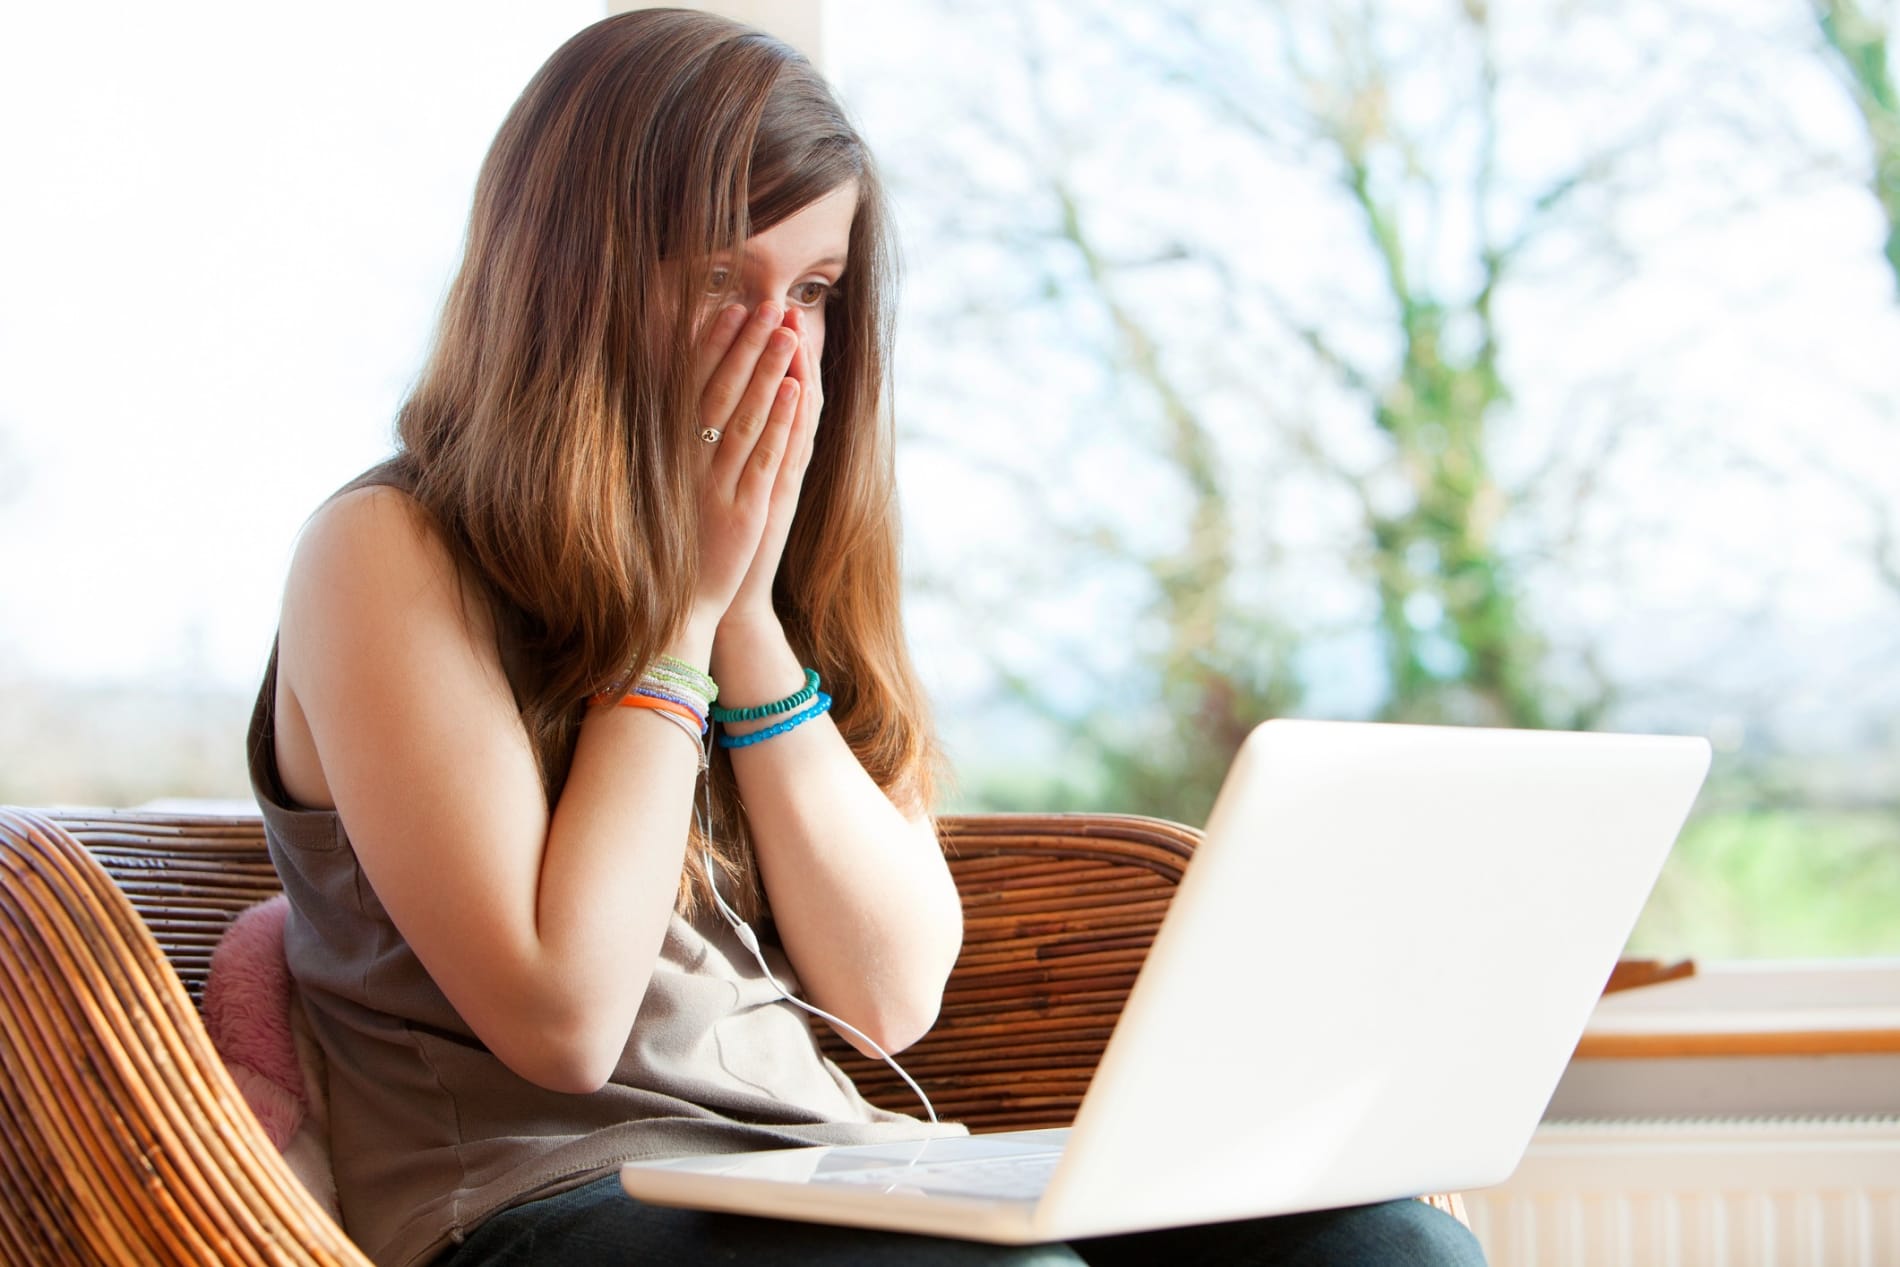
{"x":541,"y":928}
{"x":864,"y":902}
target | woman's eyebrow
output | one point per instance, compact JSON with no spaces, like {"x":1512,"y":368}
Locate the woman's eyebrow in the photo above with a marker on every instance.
{"x":829,"y":261}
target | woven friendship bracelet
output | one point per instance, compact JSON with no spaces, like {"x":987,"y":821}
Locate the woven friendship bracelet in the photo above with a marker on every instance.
{"x":796,"y":699}
{"x":820,"y":704}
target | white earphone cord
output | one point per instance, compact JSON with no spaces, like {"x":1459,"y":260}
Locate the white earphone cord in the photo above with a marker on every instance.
{"x":750,"y":941}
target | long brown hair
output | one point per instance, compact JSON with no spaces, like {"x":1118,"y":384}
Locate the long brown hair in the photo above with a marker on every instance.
{"x":551,"y":434}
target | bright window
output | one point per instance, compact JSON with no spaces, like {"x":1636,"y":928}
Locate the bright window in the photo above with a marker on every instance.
{"x":1537,"y":374}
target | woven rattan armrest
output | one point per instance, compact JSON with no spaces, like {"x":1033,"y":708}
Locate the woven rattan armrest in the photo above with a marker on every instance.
{"x":122,"y":1139}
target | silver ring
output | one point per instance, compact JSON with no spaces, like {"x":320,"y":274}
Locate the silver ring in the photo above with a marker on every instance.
{"x":710,"y":434}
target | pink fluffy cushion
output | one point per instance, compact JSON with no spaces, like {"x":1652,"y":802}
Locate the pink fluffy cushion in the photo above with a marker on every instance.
{"x":247,"y":1005}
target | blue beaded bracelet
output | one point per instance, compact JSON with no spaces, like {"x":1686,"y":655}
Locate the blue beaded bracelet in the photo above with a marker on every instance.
{"x":818,"y":705}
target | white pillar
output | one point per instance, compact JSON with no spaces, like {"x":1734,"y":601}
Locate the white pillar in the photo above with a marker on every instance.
{"x":799,"y":23}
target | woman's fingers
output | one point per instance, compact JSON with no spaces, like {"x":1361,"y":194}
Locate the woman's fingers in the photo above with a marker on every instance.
{"x":746,"y":423}
{"x":763,"y":465}
{"x":811,"y":400}
{"x":734,"y":518}
{"x":733,"y":372}
{"x":764,"y":398}
{"x":800,"y":429}
{"x":768,"y":456}
{"x":811,"y":394}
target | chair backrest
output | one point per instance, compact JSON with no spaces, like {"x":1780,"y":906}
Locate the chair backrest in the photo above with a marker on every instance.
{"x":187,"y":875}
{"x":1059,"y":911}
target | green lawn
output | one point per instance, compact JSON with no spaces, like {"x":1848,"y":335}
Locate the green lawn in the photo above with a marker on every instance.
{"x":1784,"y":883}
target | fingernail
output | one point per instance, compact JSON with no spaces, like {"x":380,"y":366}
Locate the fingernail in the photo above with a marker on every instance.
{"x":732,"y":314}
{"x":768,"y":315}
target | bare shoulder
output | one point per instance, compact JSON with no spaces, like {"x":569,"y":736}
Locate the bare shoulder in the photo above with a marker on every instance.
{"x":376,"y":550}
{"x":372,"y":568}
{"x":376,"y":529}
{"x":373,"y":611}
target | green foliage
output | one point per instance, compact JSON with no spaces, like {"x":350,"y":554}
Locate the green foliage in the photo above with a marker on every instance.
{"x":1811,"y":882}
{"x":1862,"y":44}
{"x":1444,"y":217}
{"x":1164,"y":756}
{"x":1173,"y":767}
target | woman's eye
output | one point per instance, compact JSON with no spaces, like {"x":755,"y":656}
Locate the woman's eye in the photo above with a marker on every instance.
{"x":718,"y":281}
{"x":810,"y":294}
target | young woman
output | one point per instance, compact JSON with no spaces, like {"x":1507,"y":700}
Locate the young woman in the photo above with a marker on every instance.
{"x":650,"y":454}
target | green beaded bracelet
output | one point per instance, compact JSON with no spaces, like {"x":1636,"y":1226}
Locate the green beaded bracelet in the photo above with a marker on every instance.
{"x":667,"y":668}
{"x":785,"y":705}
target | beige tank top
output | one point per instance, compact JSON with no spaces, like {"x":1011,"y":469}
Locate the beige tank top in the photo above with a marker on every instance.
{"x":430,"y":1133}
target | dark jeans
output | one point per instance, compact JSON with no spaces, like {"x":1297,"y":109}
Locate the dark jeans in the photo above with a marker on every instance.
{"x":600,"y":1224}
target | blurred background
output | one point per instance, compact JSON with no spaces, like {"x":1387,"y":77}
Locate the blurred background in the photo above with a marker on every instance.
{"x":1529,"y":364}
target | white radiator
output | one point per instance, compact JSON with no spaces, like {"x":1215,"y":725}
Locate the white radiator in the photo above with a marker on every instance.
{"x":1749,"y":1192}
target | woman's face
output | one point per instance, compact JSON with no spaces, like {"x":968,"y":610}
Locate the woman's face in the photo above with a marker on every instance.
{"x":794,"y":264}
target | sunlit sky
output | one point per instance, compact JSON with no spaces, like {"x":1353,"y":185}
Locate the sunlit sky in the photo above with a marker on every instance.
{"x":228,"y":227}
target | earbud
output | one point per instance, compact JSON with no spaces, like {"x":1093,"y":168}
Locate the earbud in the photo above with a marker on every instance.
{"x":748,"y":938}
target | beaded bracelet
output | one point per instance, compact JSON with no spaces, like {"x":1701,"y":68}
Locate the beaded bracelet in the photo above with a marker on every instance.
{"x":759,"y":711}
{"x":819,"y":704}
{"x":667,"y":671}
{"x":669,"y":679}
{"x":644,"y":691}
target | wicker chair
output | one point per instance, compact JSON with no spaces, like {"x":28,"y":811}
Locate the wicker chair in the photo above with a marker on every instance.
{"x":123,"y":1140}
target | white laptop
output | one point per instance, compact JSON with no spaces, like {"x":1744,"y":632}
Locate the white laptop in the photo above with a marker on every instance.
{"x":1366,"y":987}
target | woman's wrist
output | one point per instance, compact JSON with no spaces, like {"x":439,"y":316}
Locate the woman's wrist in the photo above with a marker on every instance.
{"x":749,"y":640}
{"x":753,"y":662}
{"x":697,"y":638}
{"x":750,"y":624}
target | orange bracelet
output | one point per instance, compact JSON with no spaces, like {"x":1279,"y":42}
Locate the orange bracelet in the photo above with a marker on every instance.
{"x":632,"y":700}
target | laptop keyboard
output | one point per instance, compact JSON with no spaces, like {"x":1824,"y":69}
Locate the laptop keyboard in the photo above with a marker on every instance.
{"x":1002,"y":1178}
